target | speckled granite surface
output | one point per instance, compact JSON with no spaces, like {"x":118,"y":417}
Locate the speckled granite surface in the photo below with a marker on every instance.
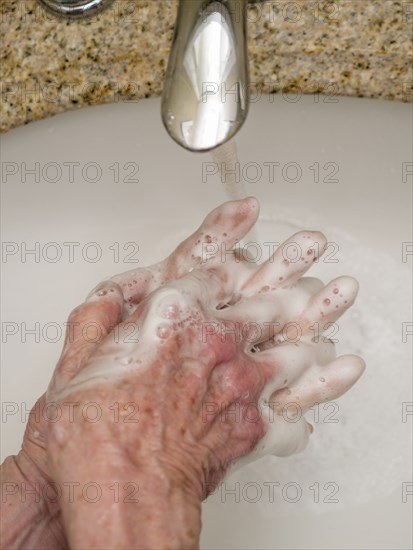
{"x":346,"y":47}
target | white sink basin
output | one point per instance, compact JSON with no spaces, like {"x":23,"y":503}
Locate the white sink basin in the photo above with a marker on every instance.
{"x":149,"y":193}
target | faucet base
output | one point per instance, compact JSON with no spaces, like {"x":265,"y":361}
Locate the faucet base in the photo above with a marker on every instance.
{"x":75,"y":9}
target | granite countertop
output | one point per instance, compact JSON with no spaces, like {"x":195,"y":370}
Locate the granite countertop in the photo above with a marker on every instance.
{"x":339,"y":47}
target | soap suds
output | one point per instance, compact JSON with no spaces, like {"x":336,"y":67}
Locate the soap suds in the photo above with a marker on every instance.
{"x":360,"y":448}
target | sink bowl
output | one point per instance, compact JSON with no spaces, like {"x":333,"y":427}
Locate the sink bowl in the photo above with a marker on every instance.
{"x":91,"y":193}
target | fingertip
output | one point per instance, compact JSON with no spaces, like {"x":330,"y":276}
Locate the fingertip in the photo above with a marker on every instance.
{"x":314,"y":241}
{"x":309,"y":244}
{"x":105,"y":290}
{"x":252,"y":203}
{"x":356,"y":364}
{"x":319,"y":241}
{"x":341,"y":374}
{"x":232,"y":220}
{"x":252,"y":206}
{"x":345,"y":287}
{"x":240,"y":211}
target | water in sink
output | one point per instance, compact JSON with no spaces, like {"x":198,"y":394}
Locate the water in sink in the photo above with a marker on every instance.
{"x":336,"y":468}
{"x":372,"y":329}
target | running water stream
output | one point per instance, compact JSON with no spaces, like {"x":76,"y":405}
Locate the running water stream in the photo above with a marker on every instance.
{"x":226,"y":158}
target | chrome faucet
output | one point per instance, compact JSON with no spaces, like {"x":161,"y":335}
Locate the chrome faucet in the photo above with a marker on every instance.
{"x":205,"y":96}
{"x":75,"y":9}
{"x":204,"y":100}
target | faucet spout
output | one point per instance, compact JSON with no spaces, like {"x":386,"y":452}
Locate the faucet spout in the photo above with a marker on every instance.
{"x":205,"y":100}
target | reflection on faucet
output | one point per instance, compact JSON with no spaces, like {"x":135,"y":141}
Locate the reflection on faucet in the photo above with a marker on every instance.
{"x":75,"y":9}
{"x":205,"y":94}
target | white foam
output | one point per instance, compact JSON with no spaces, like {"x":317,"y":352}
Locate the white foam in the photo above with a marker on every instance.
{"x":360,"y":448}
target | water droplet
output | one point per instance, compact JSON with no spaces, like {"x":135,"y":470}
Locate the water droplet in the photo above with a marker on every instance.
{"x":327,"y":301}
{"x":322,"y":379}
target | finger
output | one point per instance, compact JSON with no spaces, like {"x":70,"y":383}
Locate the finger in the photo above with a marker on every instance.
{"x":282,"y":438}
{"x":285,"y":435}
{"x":87,"y":326}
{"x":289,"y":262}
{"x":326,"y":306}
{"x":268,"y":313}
{"x":320,"y":384}
{"x":285,"y":364}
{"x":330,"y":303}
{"x":257,"y":319}
{"x":218,"y":233}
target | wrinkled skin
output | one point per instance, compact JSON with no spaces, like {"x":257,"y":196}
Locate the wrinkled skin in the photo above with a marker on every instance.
{"x":191,"y":369}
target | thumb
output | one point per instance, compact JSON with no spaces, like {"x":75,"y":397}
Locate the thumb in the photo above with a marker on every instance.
{"x":87,"y":326}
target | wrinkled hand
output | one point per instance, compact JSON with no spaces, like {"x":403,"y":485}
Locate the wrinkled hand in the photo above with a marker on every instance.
{"x":203,"y":360}
{"x":92,"y":321}
{"x":88,"y":325}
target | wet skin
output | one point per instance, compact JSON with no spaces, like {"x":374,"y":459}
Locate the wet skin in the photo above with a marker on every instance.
{"x":185,"y":350}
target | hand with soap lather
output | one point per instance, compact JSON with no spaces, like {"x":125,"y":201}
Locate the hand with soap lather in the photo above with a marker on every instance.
{"x":190,"y":374}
